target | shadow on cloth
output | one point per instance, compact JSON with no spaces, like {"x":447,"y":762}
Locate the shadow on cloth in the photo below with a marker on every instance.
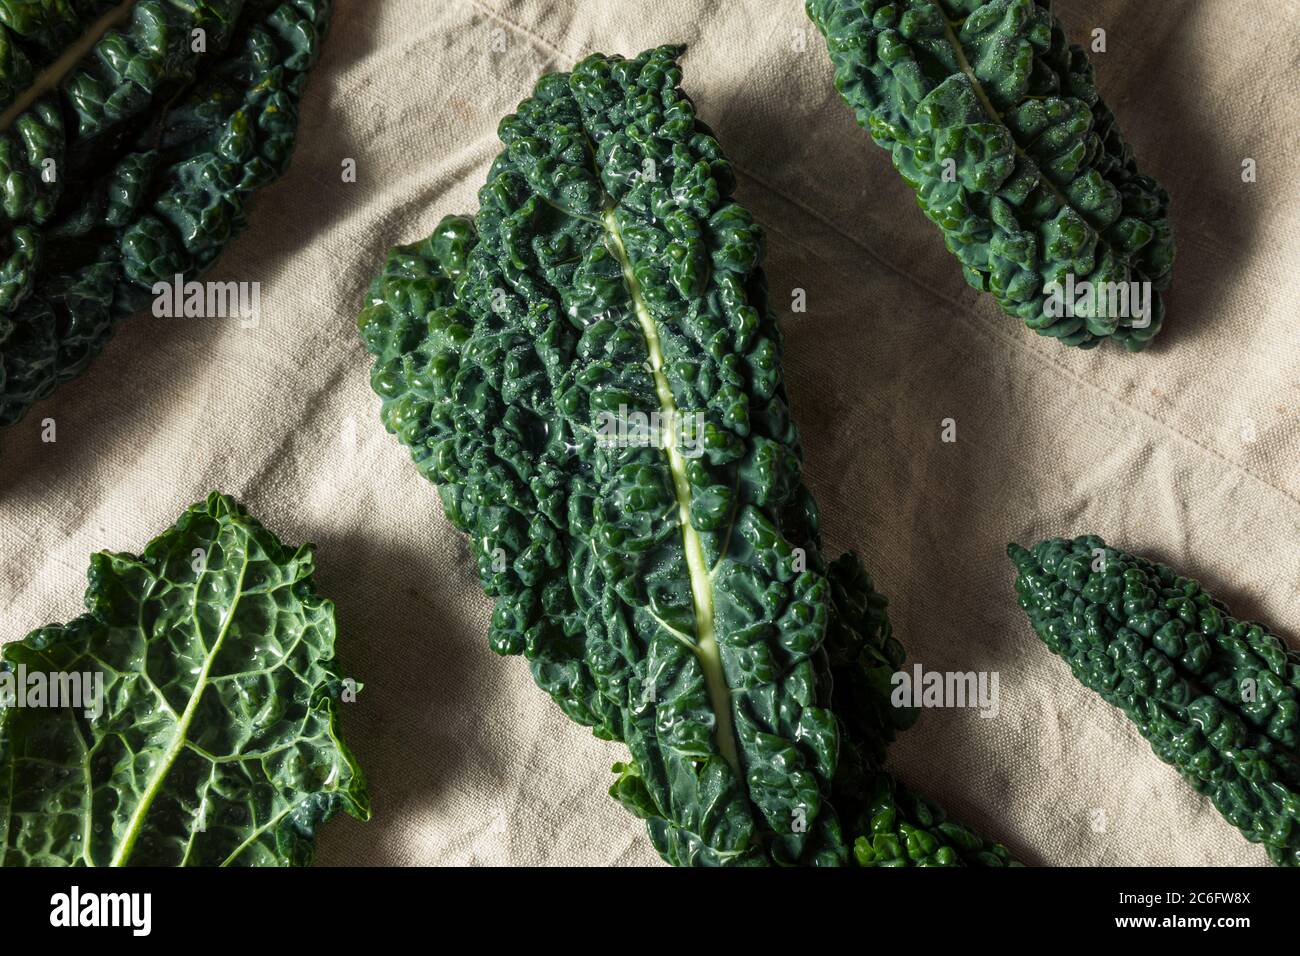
{"x":409,"y":727}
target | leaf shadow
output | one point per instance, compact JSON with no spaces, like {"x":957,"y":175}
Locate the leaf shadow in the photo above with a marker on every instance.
{"x":1168,"y":121}
{"x":410,"y":727}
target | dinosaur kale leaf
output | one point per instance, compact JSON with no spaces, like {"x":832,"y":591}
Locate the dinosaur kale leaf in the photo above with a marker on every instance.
{"x":1216,"y":697}
{"x":136,"y":166}
{"x":591,"y":374}
{"x":996,"y":122}
{"x":205,"y":731}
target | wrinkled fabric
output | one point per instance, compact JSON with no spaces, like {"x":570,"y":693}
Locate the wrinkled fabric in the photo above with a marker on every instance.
{"x":1187,"y":453}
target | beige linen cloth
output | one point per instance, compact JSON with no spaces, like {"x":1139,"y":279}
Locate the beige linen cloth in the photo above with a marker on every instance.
{"x":1188,"y":453}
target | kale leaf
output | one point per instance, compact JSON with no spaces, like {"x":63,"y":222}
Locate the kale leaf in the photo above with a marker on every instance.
{"x":215,"y":738}
{"x":1217,"y":697}
{"x":137,"y":167}
{"x":996,"y":122}
{"x":664,"y":581}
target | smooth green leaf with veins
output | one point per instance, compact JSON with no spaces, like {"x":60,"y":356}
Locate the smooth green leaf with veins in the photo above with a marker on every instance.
{"x":675,"y":601}
{"x":216,"y":742}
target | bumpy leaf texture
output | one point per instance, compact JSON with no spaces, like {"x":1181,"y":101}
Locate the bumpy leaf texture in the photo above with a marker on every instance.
{"x":1217,"y":697}
{"x":995,"y":120}
{"x":216,"y":740}
{"x":665,"y":582}
{"x":138,"y":166}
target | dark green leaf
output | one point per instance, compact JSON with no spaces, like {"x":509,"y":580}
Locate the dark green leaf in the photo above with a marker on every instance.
{"x":677,"y":602}
{"x":1217,"y":697}
{"x":156,"y":149}
{"x":216,"y":739}
{"x":996,"y":122}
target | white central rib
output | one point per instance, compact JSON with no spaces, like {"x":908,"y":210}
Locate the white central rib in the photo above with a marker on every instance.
{"x":181,"y":732}
{"x":706,"y":644}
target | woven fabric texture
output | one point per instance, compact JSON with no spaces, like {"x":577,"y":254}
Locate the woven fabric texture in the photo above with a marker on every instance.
{"x":1188,"y":453}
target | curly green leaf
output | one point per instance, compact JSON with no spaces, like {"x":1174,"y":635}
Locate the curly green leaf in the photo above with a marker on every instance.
{"x":211,"y":735}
